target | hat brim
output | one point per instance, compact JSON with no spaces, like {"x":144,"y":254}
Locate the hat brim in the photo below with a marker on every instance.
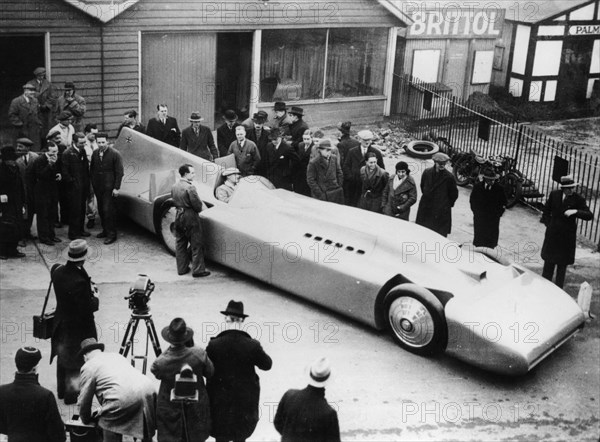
{"x":77,"y":258}
{"x":316,"y":383}
{"x":189,"y":334}
{"x":228,"y":313}
{"x":88,"y":348}
{"x":569,"y":185}
{"x":196,"y":120}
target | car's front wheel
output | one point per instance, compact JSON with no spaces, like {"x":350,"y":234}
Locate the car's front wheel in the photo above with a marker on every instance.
{"x":167,"y":227}
{"x":416,"y":321}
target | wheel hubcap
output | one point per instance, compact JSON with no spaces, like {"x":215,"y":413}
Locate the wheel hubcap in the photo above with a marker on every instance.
{"x":167,"y":225}
{"x":411,"y":321}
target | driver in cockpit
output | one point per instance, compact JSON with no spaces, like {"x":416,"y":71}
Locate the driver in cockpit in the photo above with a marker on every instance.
{"x":225,"y":191}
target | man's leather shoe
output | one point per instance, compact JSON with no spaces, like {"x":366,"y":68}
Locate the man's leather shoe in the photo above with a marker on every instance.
{"x":90,"y":223}
{"x":201,"y":274}
{"x":86,"y":234}
{"x":101,"y":235}
{"x":185,"y":272}
{"x":56,"y":239}
{"x":110,"y":240}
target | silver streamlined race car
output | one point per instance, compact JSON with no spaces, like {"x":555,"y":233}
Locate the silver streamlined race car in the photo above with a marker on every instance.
{"x":431,"y":293}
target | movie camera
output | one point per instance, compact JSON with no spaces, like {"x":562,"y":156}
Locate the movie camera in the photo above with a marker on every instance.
{"x":139,"y":294}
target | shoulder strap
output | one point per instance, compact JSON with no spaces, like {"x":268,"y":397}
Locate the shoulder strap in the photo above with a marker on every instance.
{"x":49,"y":288}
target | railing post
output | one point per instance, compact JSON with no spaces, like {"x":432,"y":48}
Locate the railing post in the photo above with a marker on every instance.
{"x":451,"y":119}
{"x":518,"y":146}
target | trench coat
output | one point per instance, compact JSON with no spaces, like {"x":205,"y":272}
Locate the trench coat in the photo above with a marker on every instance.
{"x":373,"y":186}
{"x":169,"y":421}
{"x":439,"y":195}
{"x":127,"y":397}
{"x":234,"y":389}
{"x":397,"y":202}
{"x":561,"y":231}
{"x":487,"y":206}
{"x":25,"y":119}
{"x":325,"y":179}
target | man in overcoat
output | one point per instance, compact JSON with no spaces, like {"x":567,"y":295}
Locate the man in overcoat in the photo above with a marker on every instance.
{"x":170,"y":422}
{"x":324,"y":176}
{"x":234,"y":389}
{"x":189,"y":246}
{"x":106,"y":172}
{"x":46,"y":94}
{"x":12,"y":205}
{"x":73,"y":320}
{"x":282,"y":160}
{"x":297,"y":125}
{"x":305,"y":415}
{"x":25,"y":164}
{"x":303,"y":150}
{"x":346,"y":142}
{"x":46,"y":174}
{"x":560,"y":214}
{"x":488,"y":202}
{"x":259,"y":135}
{"x":198,"y":140}
{"x":163,"y":127}
{"x":280,"y":120}
{"x":24,"y":116}
{"x":355,"y":160}
{"x":127,"y":397}
{"x":130,"y":121}
{"x":400,"y":194}
{"x":439,"y":193}
{"x":76,"y":179}
{"x":226,"y":132}
{"x":28,"y":411}
{"x":374,"y":180}
{"x":247,"y":157}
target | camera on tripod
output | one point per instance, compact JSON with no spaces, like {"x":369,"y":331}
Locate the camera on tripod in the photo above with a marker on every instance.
{"x":139,"y":295}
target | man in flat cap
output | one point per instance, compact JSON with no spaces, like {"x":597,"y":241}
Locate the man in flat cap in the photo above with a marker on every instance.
{"x":72,"y":102}
{"x":198,"y":139}
{"x":226,"y":131}
{"x":46,"y":94}
{"x":225,"y":191}
{"x":234,"y":389}
{"x":439,"y":193}
{"x":23,"y":114}
{"x":28,"y":411}
{"x":355,"y":160}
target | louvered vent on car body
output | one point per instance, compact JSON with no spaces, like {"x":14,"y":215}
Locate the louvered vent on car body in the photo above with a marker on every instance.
{"x":336,"y":244}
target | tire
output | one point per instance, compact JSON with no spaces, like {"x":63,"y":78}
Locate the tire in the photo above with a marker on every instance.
{"x":416,"y":320}
{"x":166,"y":227}
{"x":513,"y":190}
{"x":421,"y":149}
{"x":461,"y":172}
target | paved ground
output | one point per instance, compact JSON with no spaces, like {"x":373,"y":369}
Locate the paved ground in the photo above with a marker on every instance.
{"x":381,"y":392}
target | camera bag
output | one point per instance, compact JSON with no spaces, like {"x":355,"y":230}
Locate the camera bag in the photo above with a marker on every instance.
{"x":43,"y":324}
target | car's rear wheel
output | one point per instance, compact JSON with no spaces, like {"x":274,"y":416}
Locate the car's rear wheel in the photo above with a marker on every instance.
{"x":417,"y":322}
{"x":167,"y":227}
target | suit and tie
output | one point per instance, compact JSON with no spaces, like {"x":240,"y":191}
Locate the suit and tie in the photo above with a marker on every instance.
{"x":166,"y":131}
{"x":199,"y":142}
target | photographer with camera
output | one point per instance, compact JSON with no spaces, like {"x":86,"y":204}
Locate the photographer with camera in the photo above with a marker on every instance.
{"x":74,"y":318}
{"x":182,"y":416}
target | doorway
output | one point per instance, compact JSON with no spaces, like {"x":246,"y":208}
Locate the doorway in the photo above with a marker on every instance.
{"x":234,"y":64}
{"x":574,"y":70}
{"x":20,"y":56}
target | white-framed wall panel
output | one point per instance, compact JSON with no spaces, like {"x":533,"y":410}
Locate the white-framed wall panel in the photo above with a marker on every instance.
{"x":547,"y":57}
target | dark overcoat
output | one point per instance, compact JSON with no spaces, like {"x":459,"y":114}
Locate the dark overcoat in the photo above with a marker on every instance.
{"x":351,"y":167}
{"x":439,"y":193}
{"x":304,"y":415}
{"x":561,"y":231}
{"x":201,"y":145}
{"x":325,"y":179}
{"x":282,"y":163}
{"x":76,"y":106}
{"x":296,"y":130}
{"x":346,"y":143}
{"x":76,"y":179}
{"x":25,"y":119}
{"x":373,"y":186}
{"x":397,"y":202}
{"x":169,"y":420}
{"x":234,"y":389}
{"x":487,"y":205}
{"x":167,"y":133}
{"x":45,"y":189}
{"x":46,"y":94}
{"x":11,"y":212}
{"x":28,"y":411}
{"x":74,"y":316}
{"x":138,"y":128}
{"x":26,"y":170}
{"x":261,"y":144}
{"x":225,"y":136}
{"x":300,"y":184}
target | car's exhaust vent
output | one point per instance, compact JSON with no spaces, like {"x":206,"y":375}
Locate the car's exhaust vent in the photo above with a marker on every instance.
{"x":339,"y":245}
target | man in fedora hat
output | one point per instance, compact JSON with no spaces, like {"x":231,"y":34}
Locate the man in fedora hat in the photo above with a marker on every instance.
{"x":488,"y":202}
{"x":74,"y":318}
{"x":281,"y":161}
{"x":324,"y":175}
{"x":170,"y":422}
{"x":305,"y":415}
{"x":234,"y":390}
{"x":355,"y":159}
{"x":226,"y":131}
{"x":257,"y":132}
{"x":28,"y":411}
{"x":73,"y":103}
{"x":346,"y":142}
{"x":281,"y":119}
{"x":198,"y":140}
{"x":12,"y":204}
{"x":24,"y":116}
{"x":439,"y":193}
{"x":46,"y":94}
{"x":247,"y":157}
{"x":225,"y":191}
{"x":560,"y":214}
{"x":189,"y":245}
{"x":297,"y":125}
{"x":163,"y":127}
{"x":126,"y":396}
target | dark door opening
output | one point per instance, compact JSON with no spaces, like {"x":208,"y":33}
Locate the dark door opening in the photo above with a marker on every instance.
{"x":234,"y":63}
{"x":574,"y":69}
{"x":20,"y":56}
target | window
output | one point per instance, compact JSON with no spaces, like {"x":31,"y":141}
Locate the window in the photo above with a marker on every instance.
{"x":426,"y":63}
{"x":293,"y":63}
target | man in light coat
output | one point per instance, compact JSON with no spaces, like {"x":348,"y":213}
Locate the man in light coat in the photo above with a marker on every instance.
{"x":127,"y":397}
{"x":247,"y":157}
{"x":324,"y":176}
